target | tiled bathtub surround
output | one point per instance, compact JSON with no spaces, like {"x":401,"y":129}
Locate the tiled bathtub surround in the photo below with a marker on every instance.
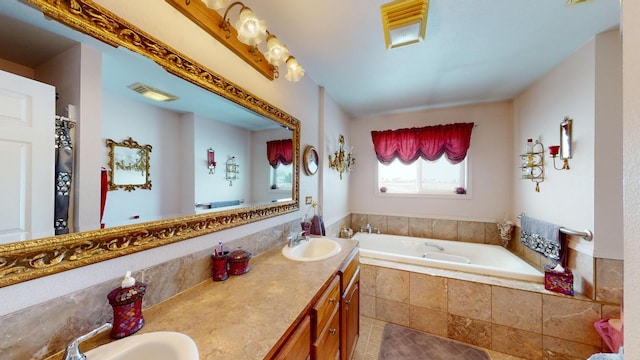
{"x":469,"y":231}
{"x":599,"y":279}
{"x":527,"y":324}
{"x":44,"y":329}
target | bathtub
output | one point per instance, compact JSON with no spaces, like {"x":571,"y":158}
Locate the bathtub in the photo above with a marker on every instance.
{"x":468,"y":257}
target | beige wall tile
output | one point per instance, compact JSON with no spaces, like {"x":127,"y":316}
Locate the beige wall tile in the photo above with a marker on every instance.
{"x":516,"y":342}
{"x":428,"y":291}
{"x":468,"y":299}
{"x":609,"y":276}
{"x":492,"y":234}
{"x":392,"y":284}
{"x":470,"y":331}
{"x":570,"y":319}
{"x":420,"y":227}
{"x":398,"y":225}
{"x":392,"y":311}
{"x":378,"y":221}
{"x":368,"y":306}
{"x":563,"y":349}
{"x":358,"y":221}
{"x":532,"y":257}
{"x":368,"y":279}
{"x":517,"y":308}
{"x":471,"y":231}
{"x":428,"y":320}
{"x":582,"y":266}
{"x":611,"y":311}
{"x":445,"y":229}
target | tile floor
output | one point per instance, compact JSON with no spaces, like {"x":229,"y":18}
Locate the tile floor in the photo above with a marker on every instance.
{"x":371,"y":335}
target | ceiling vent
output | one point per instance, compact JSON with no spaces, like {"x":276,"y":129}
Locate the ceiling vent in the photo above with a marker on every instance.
{"x":152,"y":93}
{"x":404,"y":22}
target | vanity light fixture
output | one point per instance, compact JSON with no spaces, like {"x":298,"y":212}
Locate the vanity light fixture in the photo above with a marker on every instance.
{"x":341,"y":161}
{"x":152,"y":93}
{"x":564,"y":150}
{"x":404,"y":22}
{"x":244,"y":38}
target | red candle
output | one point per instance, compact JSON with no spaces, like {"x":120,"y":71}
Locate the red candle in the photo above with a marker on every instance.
{"x":553,"y":150}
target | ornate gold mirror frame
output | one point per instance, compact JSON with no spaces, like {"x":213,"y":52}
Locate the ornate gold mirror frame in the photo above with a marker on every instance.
{"x":26,"y":260}
{"x":128,"y":165}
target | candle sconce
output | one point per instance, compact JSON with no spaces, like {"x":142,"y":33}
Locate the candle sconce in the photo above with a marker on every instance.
{"x":564,"y":150}
{"x":533,"y":165}
{"x":341,"y":161}
{"x":232,"y":170}
{"x":211,"y":161}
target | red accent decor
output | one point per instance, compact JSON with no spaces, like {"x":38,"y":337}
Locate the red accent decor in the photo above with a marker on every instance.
{"x":429,"y":143}
{"x":279,"y":152}
{"x":104,"y":186}
{"x":553,"y":150}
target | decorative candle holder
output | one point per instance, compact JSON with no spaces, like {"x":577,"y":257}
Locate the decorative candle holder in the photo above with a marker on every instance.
{"x":505,"y":228}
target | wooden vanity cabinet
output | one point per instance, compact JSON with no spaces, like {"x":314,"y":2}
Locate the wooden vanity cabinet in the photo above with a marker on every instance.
{"x":325,"y":320}
{"x":350,"y":305}
{"x":297,"y":346}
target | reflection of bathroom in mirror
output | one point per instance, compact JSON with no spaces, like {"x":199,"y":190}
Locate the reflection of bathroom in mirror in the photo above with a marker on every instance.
{"x":128,"y":165}
{"x":180,"y":131}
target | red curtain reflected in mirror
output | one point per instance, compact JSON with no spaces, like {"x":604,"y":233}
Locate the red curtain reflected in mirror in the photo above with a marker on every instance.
{"x":428,"y":143}
{"x":279,"y":152}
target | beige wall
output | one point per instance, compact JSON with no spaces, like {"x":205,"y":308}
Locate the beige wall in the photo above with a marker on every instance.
{"x":631,"y":155}
{"x":586,"y":88}
{"x":491,"y":168}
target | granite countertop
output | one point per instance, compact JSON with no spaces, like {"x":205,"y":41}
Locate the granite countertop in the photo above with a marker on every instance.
{"x":245,"y":316}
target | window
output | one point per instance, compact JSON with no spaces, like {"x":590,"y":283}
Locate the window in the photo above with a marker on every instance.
{"x":422,"y":177}
{"x":281,"y":177}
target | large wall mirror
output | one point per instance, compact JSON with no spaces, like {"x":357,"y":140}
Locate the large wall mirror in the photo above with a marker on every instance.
{"x":209,"y":116}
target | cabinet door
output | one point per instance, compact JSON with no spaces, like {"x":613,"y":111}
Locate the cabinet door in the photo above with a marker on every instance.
{"x":298,"y":346}
{"x":327,"y":345}
{"x":350,"y":317}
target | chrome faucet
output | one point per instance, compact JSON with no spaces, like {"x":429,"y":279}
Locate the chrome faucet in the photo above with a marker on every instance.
{"x":434,"y":245}
{"x":73,"y":351}
{"x":369,"y":228}
{"x":299,"y":237}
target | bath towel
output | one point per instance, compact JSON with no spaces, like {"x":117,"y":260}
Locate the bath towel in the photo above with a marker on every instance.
{"x":544,"y":238}
{"x":317,"y":225}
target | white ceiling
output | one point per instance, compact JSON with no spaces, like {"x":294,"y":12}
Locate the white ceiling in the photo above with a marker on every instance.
{"x":474,"y":51}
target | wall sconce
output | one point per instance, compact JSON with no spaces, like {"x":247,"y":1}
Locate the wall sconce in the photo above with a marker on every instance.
{"x":232,"y":170}
{"x":211,"y":161}
{"x":404,"y":22}
{"x":244,"y":38}
{"x":341,"y":162}
{"x":565,"y":149}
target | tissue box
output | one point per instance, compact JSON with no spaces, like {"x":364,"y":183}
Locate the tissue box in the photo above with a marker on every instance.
{"x":561,"y":282}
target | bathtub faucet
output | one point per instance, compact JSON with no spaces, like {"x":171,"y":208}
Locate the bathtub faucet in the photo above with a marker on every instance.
{"x":434,"y":245}
{"x":369,"y":228}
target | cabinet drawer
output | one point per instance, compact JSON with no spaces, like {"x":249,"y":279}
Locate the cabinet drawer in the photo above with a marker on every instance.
{"x":326,"y":305}
{"x":327,"y":344}
{"x":348,"y":269}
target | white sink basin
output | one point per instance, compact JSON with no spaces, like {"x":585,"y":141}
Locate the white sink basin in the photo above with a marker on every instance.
{"x":315,"y":249}
{"x":159,"y":345}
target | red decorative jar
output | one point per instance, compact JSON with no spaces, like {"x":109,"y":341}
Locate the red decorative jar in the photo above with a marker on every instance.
{"x":239,"y":262}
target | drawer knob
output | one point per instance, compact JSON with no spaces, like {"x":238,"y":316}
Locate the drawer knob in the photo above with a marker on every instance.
{"x":332,"y":331}
{"x":333,"y":301}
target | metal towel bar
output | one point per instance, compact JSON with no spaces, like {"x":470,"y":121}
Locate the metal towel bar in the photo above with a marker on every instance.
{"x":587,"y":234}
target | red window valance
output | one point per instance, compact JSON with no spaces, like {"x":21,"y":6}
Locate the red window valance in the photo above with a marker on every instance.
{"x":428,"y":143}
{"x":279,"y":152}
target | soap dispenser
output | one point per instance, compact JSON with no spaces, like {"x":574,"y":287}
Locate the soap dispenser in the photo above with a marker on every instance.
{"x":127,"y":307}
